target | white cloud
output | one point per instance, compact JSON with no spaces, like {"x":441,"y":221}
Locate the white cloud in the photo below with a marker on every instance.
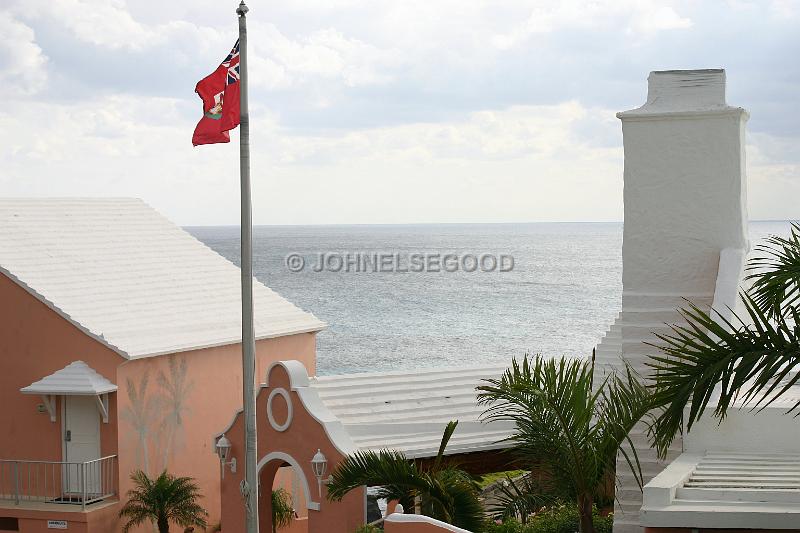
{"x":773,"y":168}
{"x":378,"y":112}
{"x":506,"y":158}
{"x":22,"y":62}
{"x":101,"y":22}
{"x":325,"y":54}
{"x":630,"y":16}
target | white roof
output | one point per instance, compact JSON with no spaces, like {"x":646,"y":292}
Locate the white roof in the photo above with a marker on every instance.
{"x":76,"y":378}
{"x":129,"y":277}
{"x":408,"y":410}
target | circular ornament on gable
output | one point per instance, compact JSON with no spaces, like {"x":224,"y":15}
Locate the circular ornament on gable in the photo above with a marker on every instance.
{"x":272,"y":421}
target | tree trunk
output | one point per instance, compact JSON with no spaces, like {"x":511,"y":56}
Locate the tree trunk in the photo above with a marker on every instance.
{"x":163,"y":525}
{"x":585,"y":503}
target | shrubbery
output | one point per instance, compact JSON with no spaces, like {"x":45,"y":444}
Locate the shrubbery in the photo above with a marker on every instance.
{"x":562,"y":519}
{"x":368,"y":529}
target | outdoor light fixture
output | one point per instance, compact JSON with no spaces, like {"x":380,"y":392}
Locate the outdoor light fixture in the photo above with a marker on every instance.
{"x":319,"y":464}
{"x":224,"y":450}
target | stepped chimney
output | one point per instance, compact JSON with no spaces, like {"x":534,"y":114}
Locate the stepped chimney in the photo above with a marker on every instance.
{"x":685,"y":234}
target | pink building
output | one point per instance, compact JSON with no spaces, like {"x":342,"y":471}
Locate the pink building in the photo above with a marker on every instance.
{"x":119,"y":350}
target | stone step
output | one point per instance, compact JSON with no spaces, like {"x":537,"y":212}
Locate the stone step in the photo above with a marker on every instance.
{"x":642,"y":332}
{"x":628,"y":507}
{"x":650,"y":316}
{"x":650,"y":469}
{"x":640,"y":300}
{"x":650,"y":455}
{"x":630,"y":495}
{"x":606,"y":343}
{"x":609,"y":355}
{"x":627,"y":527}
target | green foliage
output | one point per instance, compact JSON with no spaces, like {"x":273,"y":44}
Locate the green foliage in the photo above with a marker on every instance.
{"x":566,"y":427}
{"x":282,"y":509}
{"x":487,"y":479}
{"x":754,"y":359}
{"x":445,"y":492}
{"x":366,"y":528}
{"x":558,"y":519}
{"x":161,"y":501}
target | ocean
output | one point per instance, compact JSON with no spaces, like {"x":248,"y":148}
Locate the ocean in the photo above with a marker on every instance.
{"x":392,"y":300}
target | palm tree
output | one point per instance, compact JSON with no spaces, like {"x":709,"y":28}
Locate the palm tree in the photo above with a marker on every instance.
{"x":282,"y":509}
{"x":161,"y":500}
{"x":443,"y":491}
{"x":753,"y":359}
{"x":566,"y":428}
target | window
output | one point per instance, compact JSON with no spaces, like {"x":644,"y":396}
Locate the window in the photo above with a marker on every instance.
{"x":8,"y":523}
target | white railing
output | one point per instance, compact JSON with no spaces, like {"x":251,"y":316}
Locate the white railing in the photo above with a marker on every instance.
{"x":58,"y":481}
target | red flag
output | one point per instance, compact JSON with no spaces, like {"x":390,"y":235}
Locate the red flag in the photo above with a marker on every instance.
{"x":220,"y":93}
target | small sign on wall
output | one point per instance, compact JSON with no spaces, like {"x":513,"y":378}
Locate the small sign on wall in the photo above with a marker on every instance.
{"x":56,"y":524}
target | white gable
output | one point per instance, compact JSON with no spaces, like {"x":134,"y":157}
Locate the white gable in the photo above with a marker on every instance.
{"x":77,"y":378}
{"x":129,"y":277}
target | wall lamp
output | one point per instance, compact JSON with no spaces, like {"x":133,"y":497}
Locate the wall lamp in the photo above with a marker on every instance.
{"x":319,"y":464}
{"x":224,"y":450}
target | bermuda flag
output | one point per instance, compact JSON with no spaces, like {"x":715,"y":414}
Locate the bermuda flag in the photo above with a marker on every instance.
{"x":220,"y":93}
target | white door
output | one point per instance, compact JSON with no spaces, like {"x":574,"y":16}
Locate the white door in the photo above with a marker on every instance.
{"x":81,"y":444}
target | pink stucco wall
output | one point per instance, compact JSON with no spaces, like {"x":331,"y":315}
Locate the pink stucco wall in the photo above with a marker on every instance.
{"x":188,"y":398}
{"x":34,"y":342}
{"x":102,"y":520}
{"x":167,"y":408}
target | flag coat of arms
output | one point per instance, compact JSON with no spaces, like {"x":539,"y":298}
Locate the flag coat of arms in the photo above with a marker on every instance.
{"x":220,"y":93}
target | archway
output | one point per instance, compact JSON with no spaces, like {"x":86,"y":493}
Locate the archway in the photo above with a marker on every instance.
{"x":274,"y":468}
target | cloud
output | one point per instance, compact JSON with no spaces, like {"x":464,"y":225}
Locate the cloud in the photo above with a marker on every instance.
{"x":324,"y":55}
{"x":633,"y":17}
{"x":379,"y":112}
{"x":22,"y":63}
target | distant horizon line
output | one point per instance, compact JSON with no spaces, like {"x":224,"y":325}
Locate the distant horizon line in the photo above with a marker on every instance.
{"x":441,"y":223}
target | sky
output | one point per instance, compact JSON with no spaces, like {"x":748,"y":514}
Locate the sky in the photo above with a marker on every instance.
{"x":371,"y":111}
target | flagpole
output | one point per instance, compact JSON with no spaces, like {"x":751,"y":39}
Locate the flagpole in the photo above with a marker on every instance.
{"x":250,"y":483}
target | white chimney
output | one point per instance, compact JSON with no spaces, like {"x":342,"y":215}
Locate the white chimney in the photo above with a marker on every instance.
{"x":685,"y":221}
{"x":685,"y":184}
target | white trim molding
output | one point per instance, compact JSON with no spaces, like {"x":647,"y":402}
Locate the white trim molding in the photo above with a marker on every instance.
{"x":289,"y":413}
{"x":421,"y":519}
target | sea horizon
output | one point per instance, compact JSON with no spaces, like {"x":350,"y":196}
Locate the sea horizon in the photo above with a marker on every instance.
{"x":560,"y":297}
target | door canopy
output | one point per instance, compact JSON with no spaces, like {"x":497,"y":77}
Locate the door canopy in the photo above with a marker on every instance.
{"x":75,"y":379}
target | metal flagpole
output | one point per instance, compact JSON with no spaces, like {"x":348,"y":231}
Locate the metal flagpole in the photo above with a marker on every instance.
{"x":250,"y":483}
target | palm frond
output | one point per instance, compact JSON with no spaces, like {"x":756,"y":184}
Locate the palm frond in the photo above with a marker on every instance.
{"x":520,"y":498}
{"x":282,"y":509}
{"x":776,"y":273}
{"x":713,"y":359}
{"x":567,"y":426}
{"x":445,"y":493}
{"x":625,"y":402}
{"x":452,"y":498}
{"x":448,"y":432}
{"x":162,"y":499}
{"x":390,"y":469}
{"x":552,"y":405}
